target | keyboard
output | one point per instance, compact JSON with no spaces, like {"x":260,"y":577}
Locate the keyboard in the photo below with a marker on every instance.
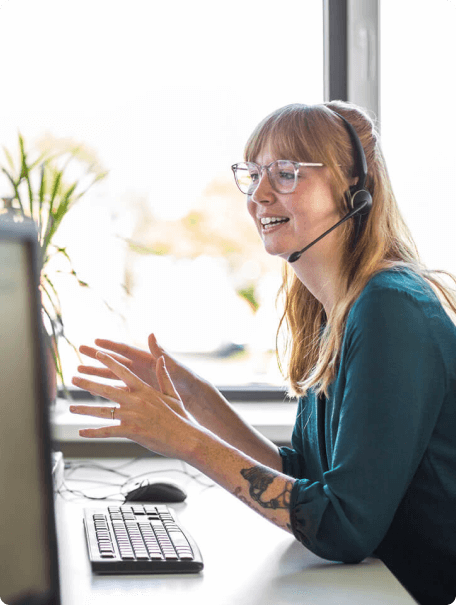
{"x":139,"y":539}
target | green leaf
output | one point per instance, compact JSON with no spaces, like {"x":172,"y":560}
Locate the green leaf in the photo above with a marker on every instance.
{"x":249,"y":295}
{"x":46,"y":240}
{"x":41,"y":195}
{"x":55,"y":304}
{"x":64,"y":252}
{"x":55,"y":188}
{"x":16,"y":190}
{"x":59,"y":213}
{"x":83,"y":284}
{"x":51,"y":226}
{"x":9,"y":159}
{"x":25,"y":173}
{"x":64,"y":205}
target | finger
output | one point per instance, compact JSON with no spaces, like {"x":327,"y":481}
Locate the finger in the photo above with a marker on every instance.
{"x":96,"y":411}
{"x":124,"y":351}
{"x":92,"y":352}
{"x":117,"y":394}
{"x":123,"y":373}
{"x":103,"y":432}
{"x":164,"y":380}
{"x":100,"y":372}
{"x":153,"y":347}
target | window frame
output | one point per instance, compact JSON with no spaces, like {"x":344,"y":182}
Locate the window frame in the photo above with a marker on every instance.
{"x":352,"y":52}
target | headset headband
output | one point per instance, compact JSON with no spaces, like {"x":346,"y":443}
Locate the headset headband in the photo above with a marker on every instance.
{"x":360,"y":157}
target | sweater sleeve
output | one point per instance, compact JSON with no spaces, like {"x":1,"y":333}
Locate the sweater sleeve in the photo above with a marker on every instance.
{"x":292,"y":462}
{"x":385,"y":405}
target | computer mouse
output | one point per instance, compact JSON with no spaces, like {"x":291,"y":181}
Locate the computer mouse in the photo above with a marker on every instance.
{"x":158,"y":491}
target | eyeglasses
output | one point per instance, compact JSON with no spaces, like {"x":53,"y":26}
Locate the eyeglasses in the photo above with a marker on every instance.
{"x":282,"y":175}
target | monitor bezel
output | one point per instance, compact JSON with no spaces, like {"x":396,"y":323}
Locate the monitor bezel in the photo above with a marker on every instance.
{"x":25,"y":233}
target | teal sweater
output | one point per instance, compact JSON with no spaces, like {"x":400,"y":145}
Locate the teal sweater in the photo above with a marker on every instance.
{"x":376,"y":460}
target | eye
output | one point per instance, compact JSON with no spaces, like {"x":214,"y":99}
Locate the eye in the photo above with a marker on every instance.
{"x":254,"y":176}
{"x":286,"y":175}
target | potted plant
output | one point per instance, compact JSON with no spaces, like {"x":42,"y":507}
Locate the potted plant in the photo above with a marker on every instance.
{"x":41,"y":191}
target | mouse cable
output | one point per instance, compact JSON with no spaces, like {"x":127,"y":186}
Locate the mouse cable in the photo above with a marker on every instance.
{"x":73,"y":467}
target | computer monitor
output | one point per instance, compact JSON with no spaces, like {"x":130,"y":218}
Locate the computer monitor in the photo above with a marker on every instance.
{"x":28,"y":546}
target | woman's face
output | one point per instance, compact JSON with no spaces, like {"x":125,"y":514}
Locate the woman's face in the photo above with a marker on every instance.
{"x":309,"y":210}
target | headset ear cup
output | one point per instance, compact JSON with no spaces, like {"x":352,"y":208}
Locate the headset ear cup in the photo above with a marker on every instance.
{"x":362,"y":198}
{"x":349,"y":198}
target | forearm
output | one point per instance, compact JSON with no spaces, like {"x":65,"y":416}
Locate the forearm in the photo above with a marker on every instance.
{"x":264,"y":489}
{"x":159,"y":421}
{"x":214,"y":412}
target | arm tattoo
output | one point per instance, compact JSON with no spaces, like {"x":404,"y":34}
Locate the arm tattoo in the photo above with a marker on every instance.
{"x":260,"y":478}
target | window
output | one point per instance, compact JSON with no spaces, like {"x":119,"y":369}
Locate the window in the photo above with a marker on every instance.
{"x":166,"y":98}
{"x":418,"y":47}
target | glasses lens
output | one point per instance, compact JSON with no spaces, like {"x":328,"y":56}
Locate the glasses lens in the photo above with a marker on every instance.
{"x":283,"y":176}
{"x":247,"y":176}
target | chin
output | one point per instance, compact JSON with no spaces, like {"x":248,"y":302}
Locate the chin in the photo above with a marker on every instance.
{"x":275,"y":251}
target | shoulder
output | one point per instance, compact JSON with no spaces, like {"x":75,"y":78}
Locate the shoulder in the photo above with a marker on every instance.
{"x":396,"y":302}
{"x":403,"y":281}
{"x":397,"y":327}
{"x":395,"y":290}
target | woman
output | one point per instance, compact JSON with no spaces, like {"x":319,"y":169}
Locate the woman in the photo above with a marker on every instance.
{"x":372,"y":357}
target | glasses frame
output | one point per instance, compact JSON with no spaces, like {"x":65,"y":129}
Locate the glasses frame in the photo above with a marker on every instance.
{"x":296,"y":166}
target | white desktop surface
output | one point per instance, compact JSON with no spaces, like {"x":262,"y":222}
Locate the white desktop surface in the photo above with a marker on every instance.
{"x":248,"y":561}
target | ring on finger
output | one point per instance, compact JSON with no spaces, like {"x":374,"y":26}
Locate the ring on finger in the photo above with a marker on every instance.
{"x":112,"y":413}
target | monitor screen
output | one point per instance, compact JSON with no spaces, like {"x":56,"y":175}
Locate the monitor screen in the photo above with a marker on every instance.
{"x":26,"y":511}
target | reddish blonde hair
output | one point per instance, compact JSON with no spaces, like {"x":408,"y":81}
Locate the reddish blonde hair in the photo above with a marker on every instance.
{"x":314,"y":133}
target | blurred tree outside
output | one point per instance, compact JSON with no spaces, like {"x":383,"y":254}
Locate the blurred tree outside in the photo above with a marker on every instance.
{"x":218,"y":226}
{"x":222,"y":294}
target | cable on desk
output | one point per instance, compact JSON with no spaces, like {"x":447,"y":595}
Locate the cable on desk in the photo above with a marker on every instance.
{"x":74,"y":466}
{"x":122,"y":492}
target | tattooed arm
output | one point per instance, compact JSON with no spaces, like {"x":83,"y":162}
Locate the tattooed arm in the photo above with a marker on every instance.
{"x":265,"y":490}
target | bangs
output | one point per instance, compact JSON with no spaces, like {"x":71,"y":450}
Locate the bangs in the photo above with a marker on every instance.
{"x":286,"y":134}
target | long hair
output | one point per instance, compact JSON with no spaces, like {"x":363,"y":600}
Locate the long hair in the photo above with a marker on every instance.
{"x":304,"y":133}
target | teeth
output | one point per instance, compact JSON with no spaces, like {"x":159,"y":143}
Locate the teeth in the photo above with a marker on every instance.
{"x":272,"y":219}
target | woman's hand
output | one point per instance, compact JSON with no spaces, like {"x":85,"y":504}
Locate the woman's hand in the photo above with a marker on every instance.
{"x":198,"y":397}
{"x":141,"y":363}
{"x":156,"y":419}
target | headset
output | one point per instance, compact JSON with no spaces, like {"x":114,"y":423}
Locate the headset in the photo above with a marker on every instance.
{"x":358,"y":198}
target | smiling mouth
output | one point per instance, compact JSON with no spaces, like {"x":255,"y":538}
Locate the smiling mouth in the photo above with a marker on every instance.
{"x":271,"y":222}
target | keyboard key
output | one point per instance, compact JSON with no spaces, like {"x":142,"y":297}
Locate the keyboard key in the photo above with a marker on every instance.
{"x":138,"y":510}
{"x":178,"y":538}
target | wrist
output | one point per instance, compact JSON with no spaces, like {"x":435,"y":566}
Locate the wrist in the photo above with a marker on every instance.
{"x":197,"y":397}
{"x":199,"y":442}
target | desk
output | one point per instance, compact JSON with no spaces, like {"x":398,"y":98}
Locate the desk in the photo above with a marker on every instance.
{"x":248,"y":561}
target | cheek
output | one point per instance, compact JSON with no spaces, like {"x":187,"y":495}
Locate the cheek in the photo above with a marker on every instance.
{"x":251,"y":208}
{"x":318,"y":206}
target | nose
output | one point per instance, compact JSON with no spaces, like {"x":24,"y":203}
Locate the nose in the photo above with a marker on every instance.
{"x":263,"y":192}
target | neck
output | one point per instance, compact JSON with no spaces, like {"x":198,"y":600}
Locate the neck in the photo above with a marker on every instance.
{"x":321,"y":275}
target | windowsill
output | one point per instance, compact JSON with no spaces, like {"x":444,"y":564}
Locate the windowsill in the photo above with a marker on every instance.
{"x":273,"y":417}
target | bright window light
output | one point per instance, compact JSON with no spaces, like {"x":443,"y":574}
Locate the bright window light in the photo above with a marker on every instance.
{"x":165,"y":95}
{"x":418,"y":50}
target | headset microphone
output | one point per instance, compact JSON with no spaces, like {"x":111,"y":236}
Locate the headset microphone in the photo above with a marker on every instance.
{"x":359,"y":198}
{"x":364,"y":205}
